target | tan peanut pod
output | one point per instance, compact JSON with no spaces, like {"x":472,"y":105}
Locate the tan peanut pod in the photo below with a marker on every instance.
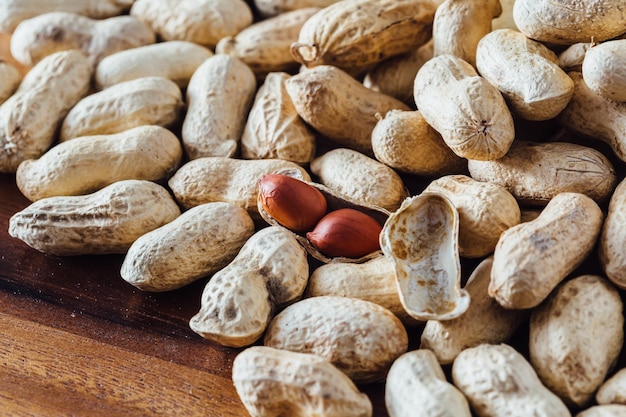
{"x":274,"y":382}
{"x":359,"y":177}
{"x":174,"y":60}
{"x":532,"y":258}
{"x":105,"y":222}
{"x":143,"y":101}
{"x":86,"y":164}
{"x":421,"y":239}
{"x":273,"y":128}
{"x":40,"y":36}
{"x":265,"y":46}
{"x":604,"y":69}
{"x":485,"y":321}
{"x":267,"y":8}
{"x":199,"y":242}
{"x":417,"y":382}
{"x":459,"y":25}
{"x":446,"y":92}
{"x":355,"y":35}
{"x":536,"y":172}
{"x":373,"y":280}
{"x":569,"y":21}
{"x":571,"y":58}
{"x":29,"y":119}
{"x":210,"y":179}
{"x":485,"y":211}
{"x":586,"y":314}
{"x":608,"y":410}
{"x":613,"y":390}
{"x":395,"y":76}
{"x":10,"y":78}
{"x":204,"y":22}
{"x":593,"y":116}
{"x":612,"y":239}
{"x":526,"y":72}
{"x":338,"y":106}
{"x":219,"y":96}
{"x":498,"y":381}
{"x":270,"y":271}
{"x":13,"y":12}
{"x":505,"y":20}
{"x":360,"y":338}
{"x":404,"y":141}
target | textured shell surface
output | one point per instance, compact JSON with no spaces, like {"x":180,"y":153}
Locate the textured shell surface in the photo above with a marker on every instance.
{"x":11,"y":78}
{"x":613,"y":390}
{"x":612,"y":239}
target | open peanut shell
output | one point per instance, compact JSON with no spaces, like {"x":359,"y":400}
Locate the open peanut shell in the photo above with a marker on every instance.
{"x":334,"y":202}
{"x":421,"y":239}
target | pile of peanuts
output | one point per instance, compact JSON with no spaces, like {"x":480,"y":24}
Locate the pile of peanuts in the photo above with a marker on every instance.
{"x":233,"y":142}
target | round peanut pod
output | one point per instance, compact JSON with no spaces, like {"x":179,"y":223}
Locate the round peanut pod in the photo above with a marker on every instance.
{"x":485,"y":211}
{"x":421,"y":239}
{"x":532,"y":258}
{"x":568,"y":22}
{"x":498,"y":381}
{"x":354,"y":35}
{"x":13,"y":12}
{"x":608,"y":410}
{"x":359,"y":177}
{"x":604,"y":69}
{"x":485,"y":321}
{"x":204,"y":22}
{"x":417,"y":382}
{"x":536,"y":172}
{"x":29,"y":119}
{"x":526,"y":72}
{"x":360,"y":338}
{"x":10,"y":78}
{"x":48,"y":33}
{"x":338,"y":106}
{"x":83,"y":165}
{"x":613,"y":238}
{"x":219,"y":96}
{"x":404,"y":141}
{"x":143,"y":101}
{"x":571,"y":59}
{"x":591,"y":115}
{"x":274,"y":382}
{"x":174,"y":60}
{"x":267,"y":8}
{"x":459,"y":25}
{"x":269,"y":272}
{"x":395,"y":76}
{"x":586,"y":314}
{"x":613,"y":390}
{"x":210,"y":179}
{"x":192,"y":246}
{"x":265,"y":46}
{"x":273,"y":128}
{"x":105,"y":222}
{"x":445,"y":92}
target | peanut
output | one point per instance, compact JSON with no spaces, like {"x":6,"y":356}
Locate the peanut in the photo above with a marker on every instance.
{"x":104,"y":222}
{"x":174,"y":60}
{"x":204,"y":22}
{"x":269,"y":8}
{"x":219,"y":96}
{"x":84,"y":165}
{"x":498,"y":381}
{"x":612,"y":239}
{"x":532,"y":258}
{"x":445,"y":92}
{"x":586,"y":314}
{"x":608,"y":410}
{"x":613,"y":390}
{"x":194,"y":245}
{"x":29,"y":119}
{"x":10,"y":78}
{"x":143,"y":101}
{"x":269,"y":272}
{"x":571,"y":59}
{"x":360,"y":338}
{"x":274,"y":382}
{"x":40,"y":36}
{"x":604,"y":71}
{"x":273,"y":128}
{"x":417,"y":382}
